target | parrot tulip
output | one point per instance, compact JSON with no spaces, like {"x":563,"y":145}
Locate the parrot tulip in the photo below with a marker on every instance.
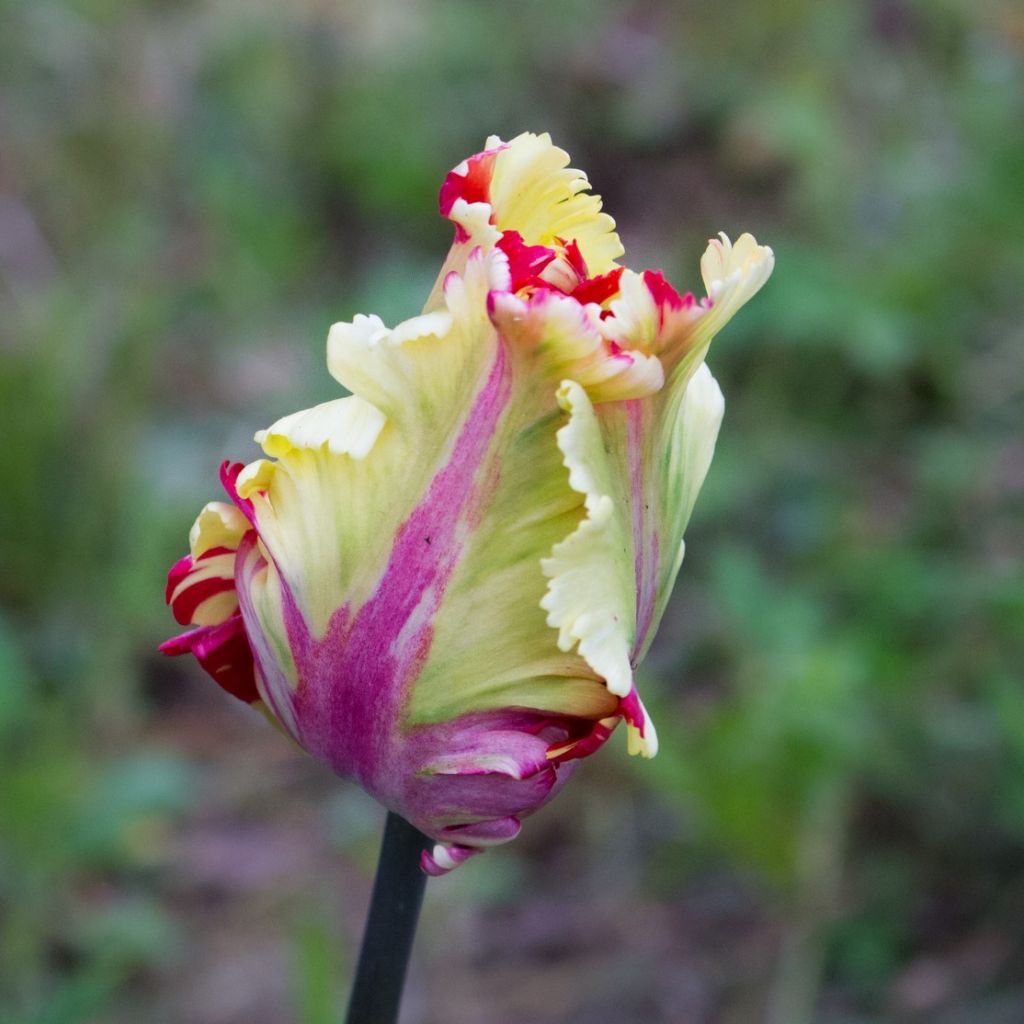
{"x":441,"y":584}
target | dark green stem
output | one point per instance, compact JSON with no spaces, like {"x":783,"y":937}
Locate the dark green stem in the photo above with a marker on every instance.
{"x":390,"y":925}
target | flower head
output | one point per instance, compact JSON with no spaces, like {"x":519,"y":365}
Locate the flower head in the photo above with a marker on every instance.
{"x":442,"y":583}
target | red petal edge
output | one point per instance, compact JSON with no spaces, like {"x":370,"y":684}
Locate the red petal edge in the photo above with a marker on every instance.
{"x":224,"y":652}
{"x":474,"y":186}
{"x":598,"y":289}
{"x":229,"y":472}
{"x":525,"y":262}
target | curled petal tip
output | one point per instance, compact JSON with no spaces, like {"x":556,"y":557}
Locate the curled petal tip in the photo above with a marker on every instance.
{"x":742,"y":264}
{"x":641,"y":735}
{"x":445,"y":857}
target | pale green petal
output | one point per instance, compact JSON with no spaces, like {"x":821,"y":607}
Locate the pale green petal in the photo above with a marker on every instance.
{"x":678,"y":461}
{"x":260,"y":595}
{"x":349,"y":472}
{"x":640,"y":465}
{"x":323,"y":512}
{"x":635,"y":468}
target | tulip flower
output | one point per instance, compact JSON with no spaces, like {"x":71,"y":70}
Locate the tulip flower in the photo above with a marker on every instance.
{"x":441,"y":584}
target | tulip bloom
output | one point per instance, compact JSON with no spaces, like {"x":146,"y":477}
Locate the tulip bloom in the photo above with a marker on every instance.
{"x":441,"y":584}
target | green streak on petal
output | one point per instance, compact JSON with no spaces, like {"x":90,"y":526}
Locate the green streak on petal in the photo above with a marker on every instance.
{"x":676,"y":463}
{"x":265,"y":591}
{"x":491,"y":647}
{"x":640,"y":466}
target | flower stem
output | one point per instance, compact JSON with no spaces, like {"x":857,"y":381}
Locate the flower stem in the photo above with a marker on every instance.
{"x":390,"y":925}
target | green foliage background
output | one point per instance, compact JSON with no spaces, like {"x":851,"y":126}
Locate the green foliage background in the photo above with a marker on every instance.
{"x":191,"y":192}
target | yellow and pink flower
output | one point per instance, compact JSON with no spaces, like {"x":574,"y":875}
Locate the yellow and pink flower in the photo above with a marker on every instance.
{"x":442,"y":583}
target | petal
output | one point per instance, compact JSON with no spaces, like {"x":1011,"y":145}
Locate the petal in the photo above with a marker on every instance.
{"x":490,"y":647}
{"x":445,"y":857}
{"x":733,"y":274}
{"x":516,"y":748}
{"x":569,"y":342}
{"x":223,"y":651}
{"x":470,"y":182}
{"x":201,"y":592}
{"x":390,"y":368}
{"x":395,"y":546}
{"x":640,"y":465}
{"x":351,"y":473}
{"x":218,"y":525}
{"x":599,"y":289}
{"x":738,"y":271}
{"x":525,"y":262}
{"x":441,"y":523}
{"x":201,"y":586}
{"x":261,"y":601}
{"x":676,"y":462}
{"x":346,"y":426}
{"x":591,"y":596}
{"x":587,"y":744}
{"x":642,"y":738}
{"x":634,"y":315}
{"x":526,"y":186}
{"x":651,"y":316}
{"x":450,"y":782}
{"x":535,"y":192}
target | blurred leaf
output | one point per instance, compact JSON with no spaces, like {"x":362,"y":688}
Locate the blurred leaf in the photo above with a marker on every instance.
{"x":318,"y":965}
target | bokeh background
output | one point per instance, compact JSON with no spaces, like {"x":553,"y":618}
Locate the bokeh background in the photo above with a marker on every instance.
{"x":191,"y":192}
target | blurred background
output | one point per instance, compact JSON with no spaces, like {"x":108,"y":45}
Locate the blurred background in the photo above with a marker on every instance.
{"x":192,"y":192}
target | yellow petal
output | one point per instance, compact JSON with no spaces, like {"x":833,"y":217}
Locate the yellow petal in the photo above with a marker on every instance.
{"x":534,"y":191}
{"x":218,"y":525}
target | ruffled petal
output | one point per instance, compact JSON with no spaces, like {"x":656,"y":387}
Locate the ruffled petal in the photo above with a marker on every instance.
{"x":349,"y":475}
{"x":651,"y":316}
{"x":591,"y":596}
{"x":568,"y":341}
{"x":640,"y":465}
{"x":425,"y":502}
{"x":346,"y":426}
{"x":526,"y":186}
{"x":534,"y":191}
{"x":201,"y":592}
{"x":224,"y":653}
